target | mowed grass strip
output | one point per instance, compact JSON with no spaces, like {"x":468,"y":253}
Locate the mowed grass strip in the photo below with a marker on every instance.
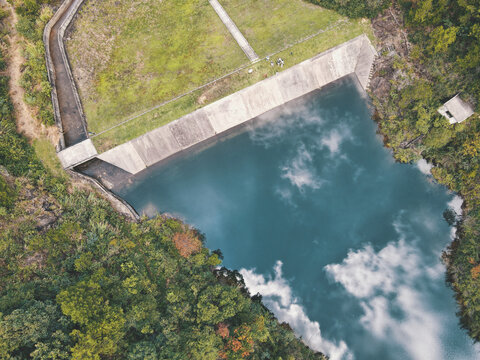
{"x":270,"y":25}
{"x":130,"y":55}
{"x":344,"y":31}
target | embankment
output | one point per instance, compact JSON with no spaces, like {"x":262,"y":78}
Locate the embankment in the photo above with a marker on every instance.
{"x":352,"y":57}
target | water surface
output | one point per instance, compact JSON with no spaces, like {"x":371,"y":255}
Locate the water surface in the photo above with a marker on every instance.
{"x":342,"y":242}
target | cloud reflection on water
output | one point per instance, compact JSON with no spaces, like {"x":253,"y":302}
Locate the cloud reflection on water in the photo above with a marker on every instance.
{"x":278,"y":297}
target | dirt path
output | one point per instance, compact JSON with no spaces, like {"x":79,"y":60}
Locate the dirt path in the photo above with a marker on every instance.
{"x":27,"y":124}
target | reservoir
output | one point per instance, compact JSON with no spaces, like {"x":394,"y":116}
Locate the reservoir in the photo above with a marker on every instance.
{"x":342,"y":242}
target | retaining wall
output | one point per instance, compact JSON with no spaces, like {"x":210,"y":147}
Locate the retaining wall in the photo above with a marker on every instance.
{"x":352,"y":57}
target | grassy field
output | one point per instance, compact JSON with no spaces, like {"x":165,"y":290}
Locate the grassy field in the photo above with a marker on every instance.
{"x":241,"y":79}
{"x":47,"y":154}
{"x":270,"y":25}
{"x":130,"y":55}
{"x":161,"y":50}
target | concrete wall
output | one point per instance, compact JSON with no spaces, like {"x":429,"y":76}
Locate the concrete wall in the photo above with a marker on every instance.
{"x":353,"y":57}
{"x":77,"y":154}
{"x":72,"y":11}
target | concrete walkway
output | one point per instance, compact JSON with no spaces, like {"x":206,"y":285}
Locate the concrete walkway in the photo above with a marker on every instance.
{"x":237,"y":35}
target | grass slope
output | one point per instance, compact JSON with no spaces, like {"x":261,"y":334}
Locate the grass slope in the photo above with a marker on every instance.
{"x":270,"y":25}
{"x":131,"y":55}
{"x":124,"y":68}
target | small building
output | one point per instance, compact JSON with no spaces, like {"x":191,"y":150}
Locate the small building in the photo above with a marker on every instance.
{"x":456,"y":110}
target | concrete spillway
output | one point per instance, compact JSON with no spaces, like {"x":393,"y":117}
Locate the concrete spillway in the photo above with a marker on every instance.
{"x":75,"y":147}
{"x":66,"y":102}
{"x":353,"y":57}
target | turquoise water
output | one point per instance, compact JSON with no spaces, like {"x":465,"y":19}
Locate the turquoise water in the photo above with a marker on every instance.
{"x":342,"y":242}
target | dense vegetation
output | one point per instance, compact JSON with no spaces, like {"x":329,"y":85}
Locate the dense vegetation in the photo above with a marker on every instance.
{"x":443,"y":59}
{"x":79,"y":281}
{"x":354,"y":8}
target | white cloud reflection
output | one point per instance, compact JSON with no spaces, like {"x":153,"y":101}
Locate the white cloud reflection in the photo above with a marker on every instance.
{"x":424,"y":167}
{"x":278,"y":297}
{"x":333,"y":139}
{"x":300,"y":170}
{"x":456,"y":204}
{"x":391,"y":286}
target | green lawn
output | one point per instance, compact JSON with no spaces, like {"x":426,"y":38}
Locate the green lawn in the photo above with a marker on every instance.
{"x":129,"y":55}
{"x":47,"y":154}
{"x":162,"y":49}
{"x":262,"y":69}
{"x":270,"y":25}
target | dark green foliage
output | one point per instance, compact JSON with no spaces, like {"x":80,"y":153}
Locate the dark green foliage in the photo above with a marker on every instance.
{"x":26,"y":27}
{"x":15,"y":153}
{"x":96,"y":286}
{"x":34,"y":330}
{"x":449,"y":32}
{"x":7,"y":195}
{"x":355,"y":8}
{"x":450,"y":217}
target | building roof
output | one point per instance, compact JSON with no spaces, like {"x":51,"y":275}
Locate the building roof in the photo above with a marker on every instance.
{"x":456,"y":110}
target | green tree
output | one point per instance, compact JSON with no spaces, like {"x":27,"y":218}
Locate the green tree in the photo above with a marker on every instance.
{"x":441,"y":38}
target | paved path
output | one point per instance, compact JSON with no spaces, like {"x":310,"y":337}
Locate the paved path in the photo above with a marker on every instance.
{"x":237,"y":35}
{"x":69,"y":106}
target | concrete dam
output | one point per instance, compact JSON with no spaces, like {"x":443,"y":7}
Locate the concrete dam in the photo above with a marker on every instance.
{"x":353,"y":57}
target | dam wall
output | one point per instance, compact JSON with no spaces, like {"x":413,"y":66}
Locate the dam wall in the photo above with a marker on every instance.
{"x":352,"y":57}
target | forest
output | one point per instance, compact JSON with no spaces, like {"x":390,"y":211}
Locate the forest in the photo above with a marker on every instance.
{"x":444,"y":60}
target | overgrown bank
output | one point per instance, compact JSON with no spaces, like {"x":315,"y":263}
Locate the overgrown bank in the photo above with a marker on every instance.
{"x":430,"y":51}
{"x":79,"y":281}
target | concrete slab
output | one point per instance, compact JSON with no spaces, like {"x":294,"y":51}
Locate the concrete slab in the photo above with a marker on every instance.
{"x":262,"y":97}
{"x":77,"y":154}
{"x":293,"y":84}
{"x":156,"y":145}
{"x":365,"y":60}
{"x":124,"y":157}
{"x":344,"y":59}
{"x":191,"y":129}
{"x":226,"y":113}
{"x":324,"y":70}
